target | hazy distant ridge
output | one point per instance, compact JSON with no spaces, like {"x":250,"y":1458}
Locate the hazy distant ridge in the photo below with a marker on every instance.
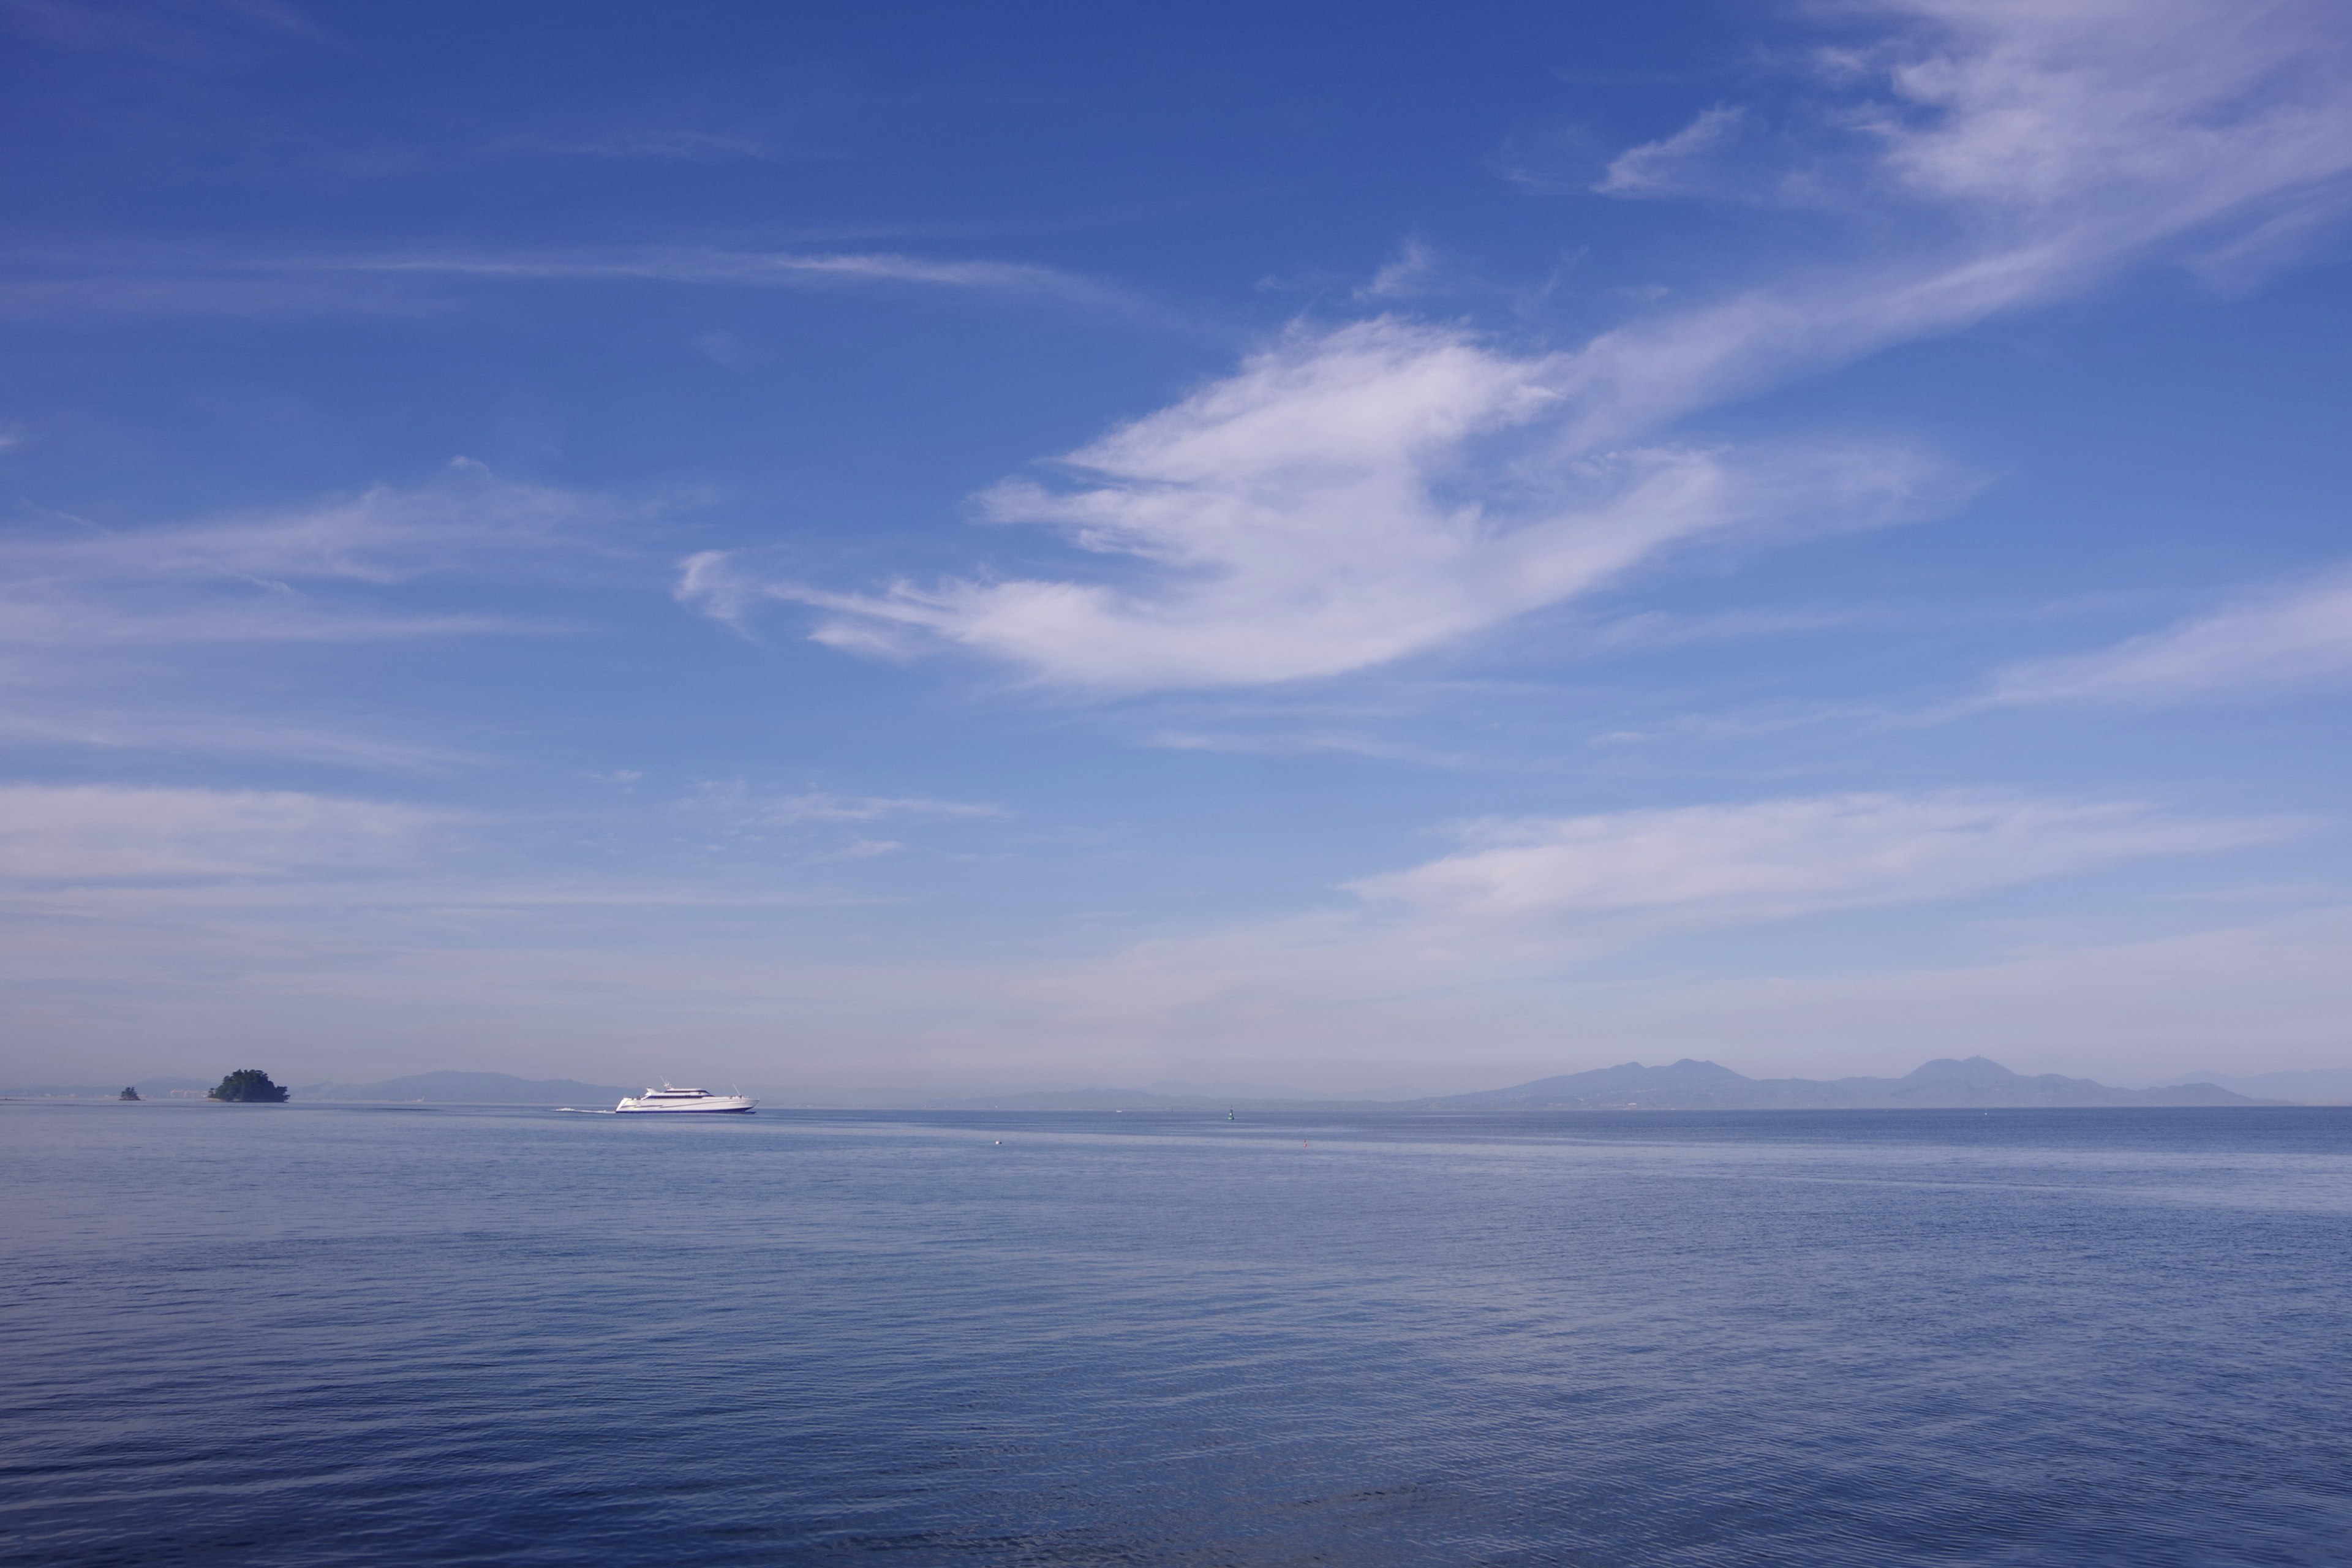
{"x":2311,"y":1086}
{"x":1685,"y":1085}
{"x":1688,"y":1085}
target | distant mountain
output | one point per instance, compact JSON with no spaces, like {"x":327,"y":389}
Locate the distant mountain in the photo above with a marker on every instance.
{"x":1688,"y":1085}
{"x":2318,"y":1086}
{"x":472,"y":1088}
{"x":1685,"y":1085}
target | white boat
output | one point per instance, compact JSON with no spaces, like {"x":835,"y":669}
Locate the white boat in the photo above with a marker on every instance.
{"x":670,"y":1098}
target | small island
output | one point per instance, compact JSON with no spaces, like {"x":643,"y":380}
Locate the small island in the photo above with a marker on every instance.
{"x":128,"y":1093}
{"x":248,"y":1086}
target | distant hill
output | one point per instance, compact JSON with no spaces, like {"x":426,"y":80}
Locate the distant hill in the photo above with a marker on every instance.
{"x":472,"y":1088}
{"x":2318,"y":1086}
{"x":1688,"y":1085}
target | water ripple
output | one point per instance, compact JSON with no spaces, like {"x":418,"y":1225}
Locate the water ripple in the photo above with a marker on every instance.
{"x":301,"y":1336}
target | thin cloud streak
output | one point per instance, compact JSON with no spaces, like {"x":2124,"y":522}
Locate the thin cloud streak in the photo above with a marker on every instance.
{"x":253,"y":577}
{"x":1528,"y":901}
{"x":735,"y":799}
{"x":112,"y":833}
{"x":308,"y":285}
{"x":98,"y":623}
{"x":677,"y":146}
{"x":2298,"y":635}
{"x":1691,"y":867}
{"x":749,"y":268}
{"x":91,"y":725}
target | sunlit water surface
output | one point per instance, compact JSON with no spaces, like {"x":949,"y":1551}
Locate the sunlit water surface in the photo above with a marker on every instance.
{"x":314,"y":1335}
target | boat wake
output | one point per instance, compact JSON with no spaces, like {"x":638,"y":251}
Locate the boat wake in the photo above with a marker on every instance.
{"x":585,"y":1110}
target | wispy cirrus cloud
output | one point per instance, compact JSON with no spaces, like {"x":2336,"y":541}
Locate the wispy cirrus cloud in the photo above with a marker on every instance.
{"x":1346,"y":500}
{"x":2289,"y":636}
{"x":1353,"y":495}
{"x":1696,"y":867}
{"x":2026,"y":151}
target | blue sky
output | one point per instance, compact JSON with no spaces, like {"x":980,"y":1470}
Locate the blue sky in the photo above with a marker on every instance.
{"x":1386,"y":548}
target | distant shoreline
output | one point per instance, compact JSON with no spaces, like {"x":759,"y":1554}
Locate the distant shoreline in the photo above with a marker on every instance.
{"x":1316,"y":1108}
{"x":1945,"y":1083}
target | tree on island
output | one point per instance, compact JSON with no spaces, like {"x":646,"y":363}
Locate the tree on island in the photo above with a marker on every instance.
{"x":248,"y":1084}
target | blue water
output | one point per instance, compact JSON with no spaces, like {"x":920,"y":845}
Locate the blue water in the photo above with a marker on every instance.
{"x":300,"y":1335}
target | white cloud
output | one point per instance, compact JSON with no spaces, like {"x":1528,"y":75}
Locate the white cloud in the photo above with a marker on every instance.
{"x":2292,"y":637}
{"x":1351,"y":497}
{"x":1345,"y":499}
{"x":112,"y":833}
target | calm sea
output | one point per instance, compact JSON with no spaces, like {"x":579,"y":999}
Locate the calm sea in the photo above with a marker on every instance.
{"x":315,"y":1336}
